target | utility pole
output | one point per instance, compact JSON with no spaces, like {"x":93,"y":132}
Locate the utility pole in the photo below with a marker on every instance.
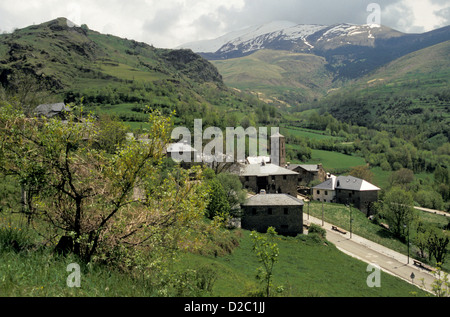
{"x":351,"y":216}
{"x":322,"y":215}
{"x":309,"y":204}
{"x":407,"y":228}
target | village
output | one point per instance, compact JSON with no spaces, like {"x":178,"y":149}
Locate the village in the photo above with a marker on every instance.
{"x":277,"y":192}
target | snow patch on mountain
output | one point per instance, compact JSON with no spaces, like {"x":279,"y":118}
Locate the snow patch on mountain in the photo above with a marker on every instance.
{"x":285,"y":35}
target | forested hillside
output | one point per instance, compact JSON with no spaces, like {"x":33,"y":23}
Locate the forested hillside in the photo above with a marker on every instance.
{"x":56,"y":61}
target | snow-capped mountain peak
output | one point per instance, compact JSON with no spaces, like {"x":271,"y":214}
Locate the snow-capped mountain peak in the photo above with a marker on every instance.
{"x":285,"y":35}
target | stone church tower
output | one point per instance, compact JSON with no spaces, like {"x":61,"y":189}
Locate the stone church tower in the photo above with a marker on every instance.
{"x":278,"y":149}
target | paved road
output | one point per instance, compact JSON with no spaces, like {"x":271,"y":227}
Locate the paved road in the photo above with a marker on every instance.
{"x":372,"y":253}
{"x":433,"y":211}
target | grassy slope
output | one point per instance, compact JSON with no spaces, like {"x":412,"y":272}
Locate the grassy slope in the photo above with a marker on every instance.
{"x":82,"y":62}
{"x":305,"y":268}
{"x":430,"y":64}
{"x":415,"y":78}
{"x":278,"y":74}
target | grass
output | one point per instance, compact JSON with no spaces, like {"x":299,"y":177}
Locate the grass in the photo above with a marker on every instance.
{"x":286,"y":75}
{"x":333,"y":162}
{"x":307,"y":267}
{"x":339,"y":215}
{"x":306,"y":133}
{"x":44,"y":274}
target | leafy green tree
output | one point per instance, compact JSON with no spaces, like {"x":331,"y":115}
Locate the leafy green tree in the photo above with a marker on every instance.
{"x":398,"y":210}
{"x":267,"y":252}
{"x":401,"y":177}
{"x":233,"y":190}
{"x":111,"y":133}
{"x":437,"y":245}
{"x":362,"y":172}
{"x":441,"y":284}
{"x":218,"y":205}
{"x":110,"y":205}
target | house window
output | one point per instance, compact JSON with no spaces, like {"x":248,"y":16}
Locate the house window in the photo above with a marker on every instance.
{"x":270,"y":211}
{"x":273,"y":178}
{"x":286,"y":211}
{"x":318,"y":192}
{"x":284,"y":177}
{"x":326,"y":193}
{"x":247,"y":178}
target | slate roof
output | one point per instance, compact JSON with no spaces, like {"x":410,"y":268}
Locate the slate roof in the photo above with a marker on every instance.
{"x":347,"y":183}
{"x":329,"y":184}
{"x":180,"y":148}
{"x":265,"y":170}
{"x":309,"y":168}
{"x":273,"y":200}
{"x":258,"y":159}
{"x":51,"y":110}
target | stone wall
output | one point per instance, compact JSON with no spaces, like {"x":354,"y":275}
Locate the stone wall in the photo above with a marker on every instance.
{"x":287,"y":220}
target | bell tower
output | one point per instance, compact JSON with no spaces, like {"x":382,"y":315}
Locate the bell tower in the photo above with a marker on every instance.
{"x":278,"y":149}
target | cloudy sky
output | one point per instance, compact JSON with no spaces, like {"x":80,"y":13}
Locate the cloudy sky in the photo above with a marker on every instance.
{"x":170,"y":23}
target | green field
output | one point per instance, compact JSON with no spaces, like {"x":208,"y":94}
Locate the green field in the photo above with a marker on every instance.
{"x":306,"y":268}
{"x":339,"y":215}
{"x":333,"y":161}
{"x":306,"y":133}
{"x":282,"y":75}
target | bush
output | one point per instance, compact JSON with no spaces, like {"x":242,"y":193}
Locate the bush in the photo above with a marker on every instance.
{"x":317,"y":230}
{"x":13,"y":238}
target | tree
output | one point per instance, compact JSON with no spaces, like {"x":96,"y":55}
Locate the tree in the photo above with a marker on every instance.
{"x":437,"y":245}
{"x":218,"y":205}
{"x":108,"y":204}
{"x":111,"y":133}
{"x":402,"y":177}
{"x":441,"y":284}
{"x":362,"y":172}
{"x":267,"y":252}
{"x":234,"y":191}
{"x":398,"y":210}
{"x":26,"y":91}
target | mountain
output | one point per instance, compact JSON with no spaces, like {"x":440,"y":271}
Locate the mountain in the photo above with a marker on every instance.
{"x":62,"y":53}
{"x":315,"y":59}
{"x":350,"y":50}
{"x":110,"y":73}
{"x":284,"y":35}
{"x":412,"y":91}
{"x":286,"y":78}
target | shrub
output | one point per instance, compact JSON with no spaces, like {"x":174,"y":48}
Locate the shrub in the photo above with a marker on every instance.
{"x":13,"y":238}
{"x":317,"y":230}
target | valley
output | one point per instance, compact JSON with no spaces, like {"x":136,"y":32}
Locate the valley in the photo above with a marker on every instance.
{"x":362,"y":101}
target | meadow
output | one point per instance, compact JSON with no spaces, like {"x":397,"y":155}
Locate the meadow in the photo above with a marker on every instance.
{"x":339,"y":215}
{"x":308,"y":267}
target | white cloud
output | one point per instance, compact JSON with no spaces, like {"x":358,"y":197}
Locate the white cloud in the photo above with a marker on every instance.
{"x":170,"y":23}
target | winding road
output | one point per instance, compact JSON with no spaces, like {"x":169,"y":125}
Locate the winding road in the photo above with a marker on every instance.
{"x":367,"y":251}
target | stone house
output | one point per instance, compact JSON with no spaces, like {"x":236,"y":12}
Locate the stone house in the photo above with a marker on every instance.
{"x":269,"y":177}
{"x":347,"y":190}
{"x":58,"y":110}
{"x":182,"y":153}
{"x":281,"y":211}
{"x":308,"y":173}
